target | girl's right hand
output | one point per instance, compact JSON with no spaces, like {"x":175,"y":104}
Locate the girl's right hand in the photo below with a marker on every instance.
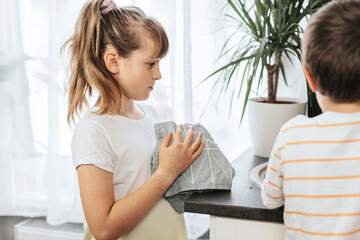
{"x":175,"y":159}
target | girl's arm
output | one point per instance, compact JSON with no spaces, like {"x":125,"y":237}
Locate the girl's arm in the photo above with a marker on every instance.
{"x":108,"y":219}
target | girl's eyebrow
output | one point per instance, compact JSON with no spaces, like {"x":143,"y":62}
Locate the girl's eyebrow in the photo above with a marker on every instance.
{"x":154,"y":59}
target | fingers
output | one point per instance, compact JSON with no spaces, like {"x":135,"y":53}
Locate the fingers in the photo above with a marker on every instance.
{"x":166,"y":141}
{"x":178,"y":134}
{"x":198,"y":151}
{"x":189,"y":136}
{"x":196,"y":143}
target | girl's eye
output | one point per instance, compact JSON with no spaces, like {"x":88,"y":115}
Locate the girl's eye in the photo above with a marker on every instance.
{"x":151,"y":64}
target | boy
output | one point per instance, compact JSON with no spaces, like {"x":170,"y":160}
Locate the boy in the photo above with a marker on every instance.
{"x":314,"y":168}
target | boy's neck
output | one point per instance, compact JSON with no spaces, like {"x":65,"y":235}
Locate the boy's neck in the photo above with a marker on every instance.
{"x":327,"y":104}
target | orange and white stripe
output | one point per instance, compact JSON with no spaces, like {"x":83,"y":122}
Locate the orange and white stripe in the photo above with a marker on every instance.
{"x":314,"y":170}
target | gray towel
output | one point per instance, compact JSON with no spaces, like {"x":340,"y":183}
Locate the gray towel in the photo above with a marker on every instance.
{"x":210,"y":171}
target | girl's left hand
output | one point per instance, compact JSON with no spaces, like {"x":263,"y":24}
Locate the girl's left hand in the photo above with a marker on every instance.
{"x":175,"y":159}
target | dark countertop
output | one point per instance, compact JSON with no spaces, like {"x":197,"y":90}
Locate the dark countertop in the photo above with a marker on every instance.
{"x":243,"y":201}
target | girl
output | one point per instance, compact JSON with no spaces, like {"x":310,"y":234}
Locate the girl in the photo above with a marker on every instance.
{"x":117,"y":52}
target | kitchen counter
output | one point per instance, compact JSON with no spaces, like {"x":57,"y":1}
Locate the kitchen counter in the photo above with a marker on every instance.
{"x":243,"y":201}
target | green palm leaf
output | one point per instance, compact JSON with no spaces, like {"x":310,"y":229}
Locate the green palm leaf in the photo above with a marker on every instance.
{"x":267,"y":29}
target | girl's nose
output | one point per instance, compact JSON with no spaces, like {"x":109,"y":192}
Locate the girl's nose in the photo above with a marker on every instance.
{"x":156,"y":72}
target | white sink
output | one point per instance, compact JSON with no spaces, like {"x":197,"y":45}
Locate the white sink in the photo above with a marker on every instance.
{"x":257,"y":175}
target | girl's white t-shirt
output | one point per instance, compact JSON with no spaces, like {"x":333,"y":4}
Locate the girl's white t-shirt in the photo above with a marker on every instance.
{"x":124,"y":147}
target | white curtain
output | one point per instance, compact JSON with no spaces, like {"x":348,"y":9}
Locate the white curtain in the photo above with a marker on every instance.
{"x":37,"y":177}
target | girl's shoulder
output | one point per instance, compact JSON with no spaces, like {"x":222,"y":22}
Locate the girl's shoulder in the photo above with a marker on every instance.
{"x":89,"y":125}
{"x":92,"y":122}
{"x":107,"y":123}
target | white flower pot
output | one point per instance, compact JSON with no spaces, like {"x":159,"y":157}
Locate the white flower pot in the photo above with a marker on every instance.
{"x":266,"y":119}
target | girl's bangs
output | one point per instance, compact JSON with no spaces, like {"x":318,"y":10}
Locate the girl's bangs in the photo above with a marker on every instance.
{"x":159,"y":36}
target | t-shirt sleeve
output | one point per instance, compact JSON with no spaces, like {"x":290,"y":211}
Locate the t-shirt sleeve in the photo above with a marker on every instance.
{"x":90,"y":145}
{"x":271,"y":191}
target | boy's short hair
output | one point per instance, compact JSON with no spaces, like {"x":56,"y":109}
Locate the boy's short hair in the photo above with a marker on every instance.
{"x":331,"y":50}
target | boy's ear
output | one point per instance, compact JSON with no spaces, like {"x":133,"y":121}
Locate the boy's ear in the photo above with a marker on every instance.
{"x":111,"y":59}
{"x":310,"y":80}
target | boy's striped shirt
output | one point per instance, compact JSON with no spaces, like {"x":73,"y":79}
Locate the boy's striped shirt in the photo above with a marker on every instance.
{"x":314,"y":169}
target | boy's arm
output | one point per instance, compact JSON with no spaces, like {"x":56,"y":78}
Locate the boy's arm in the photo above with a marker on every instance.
{"x":272,"y":188}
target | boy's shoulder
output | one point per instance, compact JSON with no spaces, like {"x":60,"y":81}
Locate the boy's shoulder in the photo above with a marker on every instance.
{"x":298,"y":120}
{"x":295,"y":128}
{"x":326,"y":118}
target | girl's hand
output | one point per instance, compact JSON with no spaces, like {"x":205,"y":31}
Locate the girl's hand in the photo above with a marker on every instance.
{"x":175,"y":159}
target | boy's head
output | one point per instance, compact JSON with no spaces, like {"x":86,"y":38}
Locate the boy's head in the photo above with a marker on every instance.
{"x":331,"y":50}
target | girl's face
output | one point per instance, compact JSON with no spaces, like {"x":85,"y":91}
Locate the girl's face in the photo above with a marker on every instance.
{"x":139,"y":72}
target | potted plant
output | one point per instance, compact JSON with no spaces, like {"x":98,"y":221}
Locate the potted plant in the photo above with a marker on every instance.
{"x":271,"y":30}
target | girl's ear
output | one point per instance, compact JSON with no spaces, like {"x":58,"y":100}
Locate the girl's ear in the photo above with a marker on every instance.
{"x":310,"y":80}
{"x":111,"y":59}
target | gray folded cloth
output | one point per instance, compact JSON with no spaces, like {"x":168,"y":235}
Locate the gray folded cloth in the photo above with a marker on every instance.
{"x":210,"y":171}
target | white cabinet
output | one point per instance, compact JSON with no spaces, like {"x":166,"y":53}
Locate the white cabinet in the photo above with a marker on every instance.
{"x":38,"y":229}
{"x":222,"y":228}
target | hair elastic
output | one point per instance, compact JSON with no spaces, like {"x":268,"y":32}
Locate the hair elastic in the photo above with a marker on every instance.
{"x":109,"y":5}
